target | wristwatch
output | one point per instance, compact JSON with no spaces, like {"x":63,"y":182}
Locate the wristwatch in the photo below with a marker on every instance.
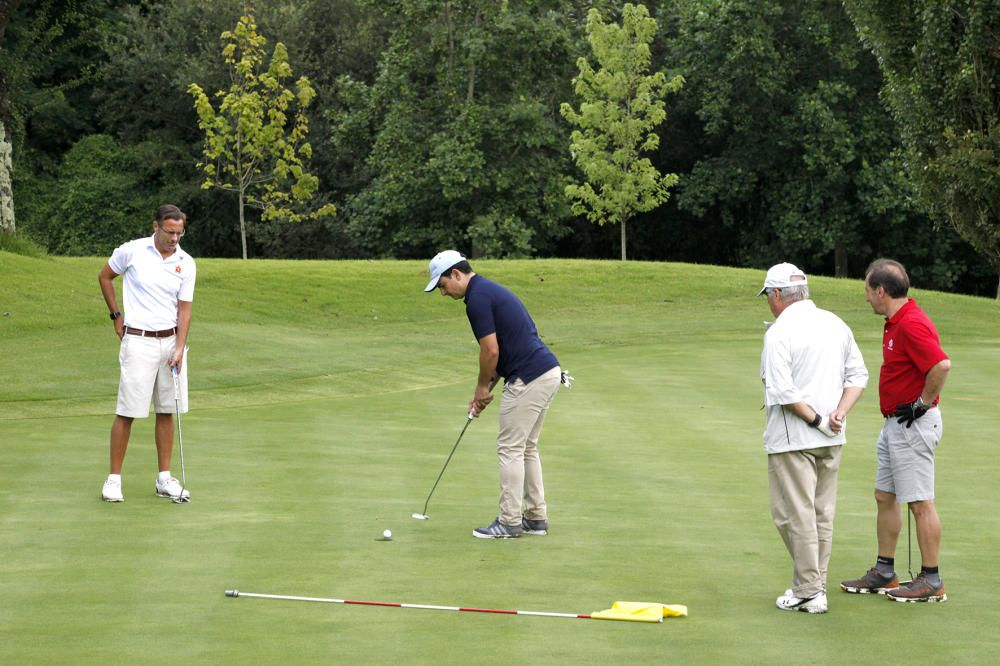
{"x":114,"y":315}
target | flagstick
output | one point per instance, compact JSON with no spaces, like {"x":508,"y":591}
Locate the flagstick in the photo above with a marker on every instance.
{"x":237,"y":593}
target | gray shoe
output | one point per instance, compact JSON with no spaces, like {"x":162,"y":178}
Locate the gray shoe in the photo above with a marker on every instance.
{"x":872,"y":582}
{"x":539,"y":527}
{"x":497,"y":530}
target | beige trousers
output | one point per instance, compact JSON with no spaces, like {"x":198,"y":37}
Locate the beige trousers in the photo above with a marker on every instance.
{"x":522,"y":411}
{"x":803,"y":503}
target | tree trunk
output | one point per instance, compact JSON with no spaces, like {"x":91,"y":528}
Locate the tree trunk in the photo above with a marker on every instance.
{"x":840,"y":259}
{"x":6,"y":186}
{"x":243,"y":227}
{"x":623,"y":240}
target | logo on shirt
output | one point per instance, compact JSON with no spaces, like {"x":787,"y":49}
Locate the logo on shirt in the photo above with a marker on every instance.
{"x":890,"y":339}
{"x":178,"y":270}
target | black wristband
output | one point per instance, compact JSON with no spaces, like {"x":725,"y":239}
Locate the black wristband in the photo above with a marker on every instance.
{"x":114,"y":315}
{"x":816,"y":421}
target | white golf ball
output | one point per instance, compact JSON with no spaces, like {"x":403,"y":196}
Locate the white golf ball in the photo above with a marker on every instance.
{"x":387,"y":534}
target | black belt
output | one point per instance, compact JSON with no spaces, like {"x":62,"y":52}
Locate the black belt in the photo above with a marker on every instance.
{"x":166,"y":333}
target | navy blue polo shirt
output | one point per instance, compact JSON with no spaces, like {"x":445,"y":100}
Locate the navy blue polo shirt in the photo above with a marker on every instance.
{"x":494,"y":309}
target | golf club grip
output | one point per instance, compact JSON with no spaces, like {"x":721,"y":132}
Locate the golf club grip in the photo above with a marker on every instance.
{"x":177,"y":383}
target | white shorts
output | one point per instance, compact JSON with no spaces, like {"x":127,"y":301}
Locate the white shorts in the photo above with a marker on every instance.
{"x":146,"y":376}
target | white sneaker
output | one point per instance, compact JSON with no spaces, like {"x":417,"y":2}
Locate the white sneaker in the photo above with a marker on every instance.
{"x":790,"y":602}
{"x":170,"y":488}
{"x":112,"y":491}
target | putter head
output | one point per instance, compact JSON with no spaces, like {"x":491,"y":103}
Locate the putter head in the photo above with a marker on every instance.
{"x":180,"y":500}
{"x":419,"y":516}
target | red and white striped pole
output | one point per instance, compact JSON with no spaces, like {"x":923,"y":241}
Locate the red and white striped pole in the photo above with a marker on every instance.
{"x":237,"y":593}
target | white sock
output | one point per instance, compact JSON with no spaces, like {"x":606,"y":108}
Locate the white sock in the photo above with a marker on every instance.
{"x":115,"y":477}
{"x":164,"y":475}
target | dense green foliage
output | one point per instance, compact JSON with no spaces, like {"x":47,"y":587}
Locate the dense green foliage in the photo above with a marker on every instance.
{"x":942,"y":80}
{"x":436,"y":123}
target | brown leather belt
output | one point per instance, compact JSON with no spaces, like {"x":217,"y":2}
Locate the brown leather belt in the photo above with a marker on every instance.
{"x":166,"y":333}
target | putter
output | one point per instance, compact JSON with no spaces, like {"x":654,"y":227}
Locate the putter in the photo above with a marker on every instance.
{"x":909,"y":548}
{"x":180,"y":499}
{"x":424,"y":516}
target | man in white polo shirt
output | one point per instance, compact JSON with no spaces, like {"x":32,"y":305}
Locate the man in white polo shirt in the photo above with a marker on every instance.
{"x":158,"y":288}
{"x":813,"y":374}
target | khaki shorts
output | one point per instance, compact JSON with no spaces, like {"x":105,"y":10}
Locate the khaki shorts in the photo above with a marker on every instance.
{"x":146,"y":377}
{"x":906,"y":457}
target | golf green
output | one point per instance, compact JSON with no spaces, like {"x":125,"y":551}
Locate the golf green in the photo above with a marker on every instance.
{"x":325,"y":397}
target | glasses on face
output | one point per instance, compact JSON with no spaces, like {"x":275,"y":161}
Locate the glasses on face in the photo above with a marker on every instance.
{"x":179,"y":234}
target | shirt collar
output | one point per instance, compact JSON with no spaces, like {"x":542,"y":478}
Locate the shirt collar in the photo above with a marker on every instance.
{"x":468,"y":289}
{"x":907,"y":306}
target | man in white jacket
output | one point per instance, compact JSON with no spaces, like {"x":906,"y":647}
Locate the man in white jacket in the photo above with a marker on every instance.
{"x":813,"y":373}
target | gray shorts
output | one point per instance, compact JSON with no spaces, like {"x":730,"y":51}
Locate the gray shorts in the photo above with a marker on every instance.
{"x":906,"y":457}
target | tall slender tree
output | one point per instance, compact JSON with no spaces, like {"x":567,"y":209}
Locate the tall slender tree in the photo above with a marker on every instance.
{"x":621,"y":105}
{"x":255,"y":145}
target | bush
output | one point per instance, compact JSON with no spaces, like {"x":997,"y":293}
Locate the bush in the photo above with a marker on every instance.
{"x":18,"y":243}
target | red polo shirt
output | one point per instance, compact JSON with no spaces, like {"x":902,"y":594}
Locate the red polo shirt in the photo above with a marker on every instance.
{"x":910,"y":348}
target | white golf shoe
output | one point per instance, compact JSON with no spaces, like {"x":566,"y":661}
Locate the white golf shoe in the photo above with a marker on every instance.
{"x":790,"y":602}
{"x":170,"y":488}
{"x":112,"y":490}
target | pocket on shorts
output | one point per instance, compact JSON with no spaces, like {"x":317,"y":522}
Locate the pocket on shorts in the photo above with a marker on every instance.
{"x":122,"y":347}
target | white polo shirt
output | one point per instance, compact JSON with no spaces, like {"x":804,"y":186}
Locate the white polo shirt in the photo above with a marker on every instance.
{"x":809,"y":355}
{"x":153,"y":285}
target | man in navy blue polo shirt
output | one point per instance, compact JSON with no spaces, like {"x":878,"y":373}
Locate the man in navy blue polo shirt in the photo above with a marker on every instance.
{"x":509,"y":347}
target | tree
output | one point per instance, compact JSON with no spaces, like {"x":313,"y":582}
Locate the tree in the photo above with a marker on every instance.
{"x":621,"y":106}
{"x":465,"y":147}
{"x":941,"y":62}
{"x":253,"y":146}
{"x":7,"y":8}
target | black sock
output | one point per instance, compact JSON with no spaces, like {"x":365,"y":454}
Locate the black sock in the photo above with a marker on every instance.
{"x":885,"y":566}
{"x":929,"y":570}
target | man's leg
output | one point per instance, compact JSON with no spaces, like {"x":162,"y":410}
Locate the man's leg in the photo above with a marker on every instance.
{"x":888,"y":523}
{"x":164,"y":440}
{"x":928,"y":531}
{"x":792,"y":480}
{"x":546,"y":388}
{"x":827,"y":467}
{"x":520,"y":409}
{"x":121,"y":430}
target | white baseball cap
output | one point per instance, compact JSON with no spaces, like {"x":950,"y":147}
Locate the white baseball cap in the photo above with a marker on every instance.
{"x":784,"y":275}
{"x":441,"y":262}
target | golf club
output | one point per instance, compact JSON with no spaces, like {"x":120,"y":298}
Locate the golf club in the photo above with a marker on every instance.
{"x":909,"y":548}
{"x":424,"y":516}
{"x":180,"y":499}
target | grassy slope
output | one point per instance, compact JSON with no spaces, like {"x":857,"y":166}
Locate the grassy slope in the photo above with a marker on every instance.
{"x":326,"y":396}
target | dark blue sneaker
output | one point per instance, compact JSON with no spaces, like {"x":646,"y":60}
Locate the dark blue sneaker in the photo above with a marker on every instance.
{"x":497,"y":530}
{"x":539,"y":527}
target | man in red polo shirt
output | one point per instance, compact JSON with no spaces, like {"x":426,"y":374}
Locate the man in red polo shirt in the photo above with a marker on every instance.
{"x":914,"y":369}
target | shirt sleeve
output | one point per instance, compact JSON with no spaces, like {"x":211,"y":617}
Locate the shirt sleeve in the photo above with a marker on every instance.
{"x":480,"y":313}
{"x":121,"y":258}
{"x":855,"y":372}
{"x":922,"y":346}
{"x":779,"y":387}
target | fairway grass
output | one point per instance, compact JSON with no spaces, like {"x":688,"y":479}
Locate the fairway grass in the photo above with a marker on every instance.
{"x":326,"y":396}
